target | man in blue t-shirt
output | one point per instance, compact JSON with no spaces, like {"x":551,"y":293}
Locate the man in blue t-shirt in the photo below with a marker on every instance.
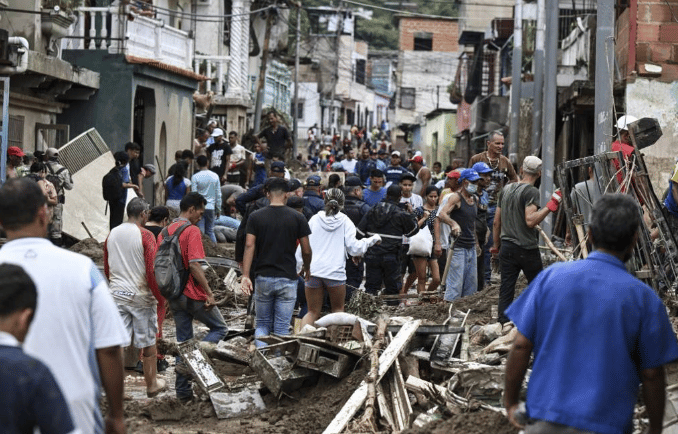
{"x":30,"y":396}
{"x":596,"y":332}
{"x":376,"y":192}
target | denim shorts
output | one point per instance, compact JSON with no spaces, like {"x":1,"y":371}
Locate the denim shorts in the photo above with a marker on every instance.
{"x":320,"y":283}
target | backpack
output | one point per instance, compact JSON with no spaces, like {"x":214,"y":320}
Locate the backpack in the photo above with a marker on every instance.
{"x":170,"y":273}
{"x":111,"y":185}
{"x":54,"y":178}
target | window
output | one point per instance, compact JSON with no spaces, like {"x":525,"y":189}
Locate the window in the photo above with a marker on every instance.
{"x":299,"y":111}
{"x":423,"y":41}
{"x":407,"y":97}
{"x":360,"y":71}
{"x":15,"y":135}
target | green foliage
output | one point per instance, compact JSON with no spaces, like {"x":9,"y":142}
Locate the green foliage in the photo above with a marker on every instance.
{"x":381,"y":31}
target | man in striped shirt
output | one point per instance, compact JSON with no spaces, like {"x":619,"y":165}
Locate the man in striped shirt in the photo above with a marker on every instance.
{"x":207,"y":183}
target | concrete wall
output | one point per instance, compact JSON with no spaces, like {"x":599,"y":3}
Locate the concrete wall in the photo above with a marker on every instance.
{"x":33,"y":110}
{"x":445,"y":126}
{"x":445,"y":33}
{"x":478,"y":15}
{"x":308,"y":93}
{"x":429,"y":72}
{"x":654,"y":99}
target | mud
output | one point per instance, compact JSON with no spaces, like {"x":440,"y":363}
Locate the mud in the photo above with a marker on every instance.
{"x":90,"y":248}
{"x":481,"y":422}
{"x":224,"y":250}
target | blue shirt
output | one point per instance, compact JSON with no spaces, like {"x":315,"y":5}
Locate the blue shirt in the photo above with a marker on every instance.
{"x":175,"y":192}
{"x":208,"y":185}
{"x":373,"y":197}
{"x":259,"y":171}
{"x":394,"y":173}
{"x":30,"y":395}
{"x":124,"y":174}
{"x":594,"y":327}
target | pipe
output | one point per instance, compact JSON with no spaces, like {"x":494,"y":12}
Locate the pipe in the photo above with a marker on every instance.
{"x":537,"y":107}
{"x":604,"y":63}
{"x":516,"y":82}
{"x":23,"y":66}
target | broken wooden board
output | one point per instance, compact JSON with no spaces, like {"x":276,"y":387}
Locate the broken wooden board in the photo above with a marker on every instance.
{"x":386,"y":360}
{"x":418,"y":385}
{"x":246,"y":402}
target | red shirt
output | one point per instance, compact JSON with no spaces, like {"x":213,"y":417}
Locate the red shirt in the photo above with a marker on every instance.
{"x":627,"y":151}
{"x":192,"y":250}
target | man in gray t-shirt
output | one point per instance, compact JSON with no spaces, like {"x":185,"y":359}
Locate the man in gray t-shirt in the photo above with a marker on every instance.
{"x":514,"y":230}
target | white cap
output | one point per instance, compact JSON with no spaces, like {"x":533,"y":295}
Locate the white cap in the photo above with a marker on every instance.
{"x":395,"y":153}
{"x":624,"y":121}
{"x":217,"y":132}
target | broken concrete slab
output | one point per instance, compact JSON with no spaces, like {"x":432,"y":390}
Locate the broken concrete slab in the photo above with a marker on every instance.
{"x":246,"y":402}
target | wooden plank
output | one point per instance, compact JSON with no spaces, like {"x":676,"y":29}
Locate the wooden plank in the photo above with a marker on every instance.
{"x":384,"y":409}
{"x":418,"y":385}
{"x":401,"y":396}
{"x":387,"y":359}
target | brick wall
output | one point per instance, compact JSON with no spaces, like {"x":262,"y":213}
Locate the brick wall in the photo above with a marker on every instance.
{"x":657,"y":37}
{"x":445,"y":33}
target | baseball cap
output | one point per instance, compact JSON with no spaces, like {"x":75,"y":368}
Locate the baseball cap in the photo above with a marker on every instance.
{"x":295,"y":202}
{"x":454,"y":174}
{"x":395,"y":154}
{"x":381,"y":152}
{"x":469,"y":174}
{"x":531,"y":164}
{"x":51,"y":152}
{"x":278,"y":167}
{"x":15,"y":151}
{"x":151,"y":168}
{"x":294,"y":183}
{"x":482,"y":167}
{"x":313,"y":181}
{"x":353,"y":181}
{"x":217,"y":132}
{"x":417,"y":159}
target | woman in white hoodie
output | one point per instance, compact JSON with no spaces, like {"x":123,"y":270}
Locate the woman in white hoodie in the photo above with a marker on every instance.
{"x":332,"y":239}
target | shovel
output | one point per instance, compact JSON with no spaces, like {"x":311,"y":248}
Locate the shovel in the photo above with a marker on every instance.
{"x":450,"y":251}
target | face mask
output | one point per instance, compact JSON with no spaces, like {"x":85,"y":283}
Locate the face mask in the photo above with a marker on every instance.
{"x":472,"y":188}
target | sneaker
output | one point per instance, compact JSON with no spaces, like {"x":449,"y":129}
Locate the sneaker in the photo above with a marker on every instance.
{"x":162,"y":365}
{"x":139,"y":367}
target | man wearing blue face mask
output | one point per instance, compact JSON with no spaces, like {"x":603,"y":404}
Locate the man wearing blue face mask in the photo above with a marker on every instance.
{"x":460,"y":213}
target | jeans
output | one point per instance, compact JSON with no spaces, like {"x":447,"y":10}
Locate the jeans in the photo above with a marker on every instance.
{"x":274,"y":301}
{"x":185,"y":310}
{"x":386,"y":269}
{"x":462,"y":278}
{"x":206,"y":224}
{"x":546,"y":427}
{"x":513,"y":259}
{"x":487,"y":258}
{"x":227,"y":221}
{"x":354,"y":277}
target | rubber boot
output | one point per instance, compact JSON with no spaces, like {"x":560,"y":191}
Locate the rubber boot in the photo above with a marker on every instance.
{"x":154,"y":385}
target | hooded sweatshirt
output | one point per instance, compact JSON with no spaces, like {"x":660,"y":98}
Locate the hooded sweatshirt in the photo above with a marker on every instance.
{"x":332,"y":238}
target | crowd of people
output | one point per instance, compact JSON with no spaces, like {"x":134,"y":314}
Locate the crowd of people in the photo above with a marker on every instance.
{"x":380,"y":229}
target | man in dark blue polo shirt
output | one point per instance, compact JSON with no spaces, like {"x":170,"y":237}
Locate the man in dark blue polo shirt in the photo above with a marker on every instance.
{"x":313,"y":201}
{"x":596,"y":331}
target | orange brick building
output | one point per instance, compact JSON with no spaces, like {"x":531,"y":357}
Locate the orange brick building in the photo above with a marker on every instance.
{"x":416,"y":32}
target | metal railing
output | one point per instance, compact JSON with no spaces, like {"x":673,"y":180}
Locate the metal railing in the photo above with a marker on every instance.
{"x":220,"y":63}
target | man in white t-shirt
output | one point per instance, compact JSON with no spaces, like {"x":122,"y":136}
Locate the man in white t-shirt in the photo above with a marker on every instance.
{"x":238,"y":159}
{"x":129,"y":253}
{"x":349,"y":162}
{"x":77,"y":331}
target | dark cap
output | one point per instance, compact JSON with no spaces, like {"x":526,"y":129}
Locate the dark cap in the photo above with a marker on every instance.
{"x":353,"y":181}
{"x":278,"y":167}
{"x":294,"y":183}
{"x":313,"y":181}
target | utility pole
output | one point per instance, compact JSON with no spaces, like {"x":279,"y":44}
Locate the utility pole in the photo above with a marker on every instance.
{"x":516,"y":80}
{"x":550,"y":96}
{"x":604,"y":77}
{"x":262,"y":71}
{"x":295,"y":121}
{"x":337,"y":46}
{"x":537,"y":110}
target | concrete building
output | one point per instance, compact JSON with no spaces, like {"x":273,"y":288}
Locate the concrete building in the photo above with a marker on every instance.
{"x":42,"y":86}
{"x":427,"y":63}
{"x":439,"y":138}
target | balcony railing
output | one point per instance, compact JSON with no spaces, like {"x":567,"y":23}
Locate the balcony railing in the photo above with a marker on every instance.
{"x":105,"y":28}
{"x":212,"y":64}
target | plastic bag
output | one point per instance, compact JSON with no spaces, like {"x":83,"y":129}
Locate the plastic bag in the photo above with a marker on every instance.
{"x":421,"y":244}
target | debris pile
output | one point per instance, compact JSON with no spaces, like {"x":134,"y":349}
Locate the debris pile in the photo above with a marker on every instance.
{"x":91,"y":248}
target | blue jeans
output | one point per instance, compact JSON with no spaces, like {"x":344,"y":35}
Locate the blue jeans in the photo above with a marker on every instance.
{"x":185,"y":310}
{"x":462,"y":278}
{"x":274,"y":300}
{"x":206,"y":224}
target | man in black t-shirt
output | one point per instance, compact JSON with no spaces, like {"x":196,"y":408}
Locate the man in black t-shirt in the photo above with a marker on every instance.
{"x":219,"y":154}
{"x":272,"y":235}
{"x":277,"y":138}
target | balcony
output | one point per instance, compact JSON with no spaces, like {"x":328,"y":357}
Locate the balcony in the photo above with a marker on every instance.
{"x":105,"y":28}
